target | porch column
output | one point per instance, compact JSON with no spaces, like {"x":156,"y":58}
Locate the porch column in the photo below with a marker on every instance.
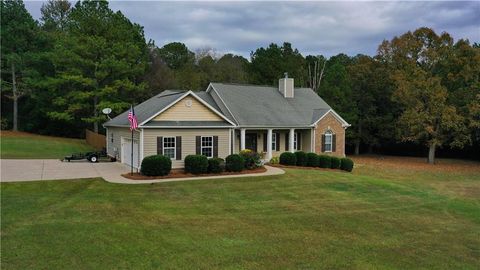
{"x":269,"y":144}
{"x":232,"y":144}
{"x":290,"y":140}
{"x":242,"y":139}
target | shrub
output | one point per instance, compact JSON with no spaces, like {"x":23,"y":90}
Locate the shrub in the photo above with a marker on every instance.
{"x":301,"y":158}
{"x":274,"y":160}
{"x":288,"y":158}
{"x":312,"y":160}
{"x":334,"y":163}
{"x":324,"y":161}
{"x":234,"y":163}
{"x":252,"y":159}
{"x":216,"y":165}
{"x":157,"y":165}
{"x":196,"y":164}
{"x":346,"y":164}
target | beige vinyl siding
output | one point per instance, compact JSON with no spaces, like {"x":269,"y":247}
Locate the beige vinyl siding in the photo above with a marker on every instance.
{"x":188,"y":141}
{"x":181,"y":112}
{"x":305,"y":140}
{"x":114,"y":148}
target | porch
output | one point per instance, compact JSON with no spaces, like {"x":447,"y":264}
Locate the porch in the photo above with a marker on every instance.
{"x":272,"y":142}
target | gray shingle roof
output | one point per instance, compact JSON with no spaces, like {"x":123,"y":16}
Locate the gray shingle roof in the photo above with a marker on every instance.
{"x":146,"y":109}
{"x":249,"y":104}
{"x":265,"y":106}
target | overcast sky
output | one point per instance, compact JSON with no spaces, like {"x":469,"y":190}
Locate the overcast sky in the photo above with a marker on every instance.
{"x":326,"y":28}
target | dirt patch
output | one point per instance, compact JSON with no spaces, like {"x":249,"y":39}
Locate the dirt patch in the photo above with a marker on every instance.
{"x":19,"y":134}
{"x":417,"y":163}
{"x":9,"y":133}
{"x":180,"y":173}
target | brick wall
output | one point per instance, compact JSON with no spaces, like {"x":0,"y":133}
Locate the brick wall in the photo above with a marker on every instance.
{"x":330,"y":122}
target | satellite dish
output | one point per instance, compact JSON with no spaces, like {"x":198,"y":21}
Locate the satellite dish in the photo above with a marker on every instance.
{"x":107,"y":111}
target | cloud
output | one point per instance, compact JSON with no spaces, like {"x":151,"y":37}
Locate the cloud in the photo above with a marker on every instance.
{"x":326,"y":28}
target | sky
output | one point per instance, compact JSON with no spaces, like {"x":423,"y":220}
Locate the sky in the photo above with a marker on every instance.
{"x":326,"y":28}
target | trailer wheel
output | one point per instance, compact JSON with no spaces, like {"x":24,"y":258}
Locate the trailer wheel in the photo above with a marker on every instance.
{"x":93,"y":159}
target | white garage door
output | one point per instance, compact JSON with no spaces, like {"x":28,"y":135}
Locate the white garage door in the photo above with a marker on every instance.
{"x":127,"y":151}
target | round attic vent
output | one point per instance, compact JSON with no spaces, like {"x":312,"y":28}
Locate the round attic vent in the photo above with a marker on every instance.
{"x":188,"y":103}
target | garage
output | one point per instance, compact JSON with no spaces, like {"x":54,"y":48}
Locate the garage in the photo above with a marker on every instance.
{"x":127,"y":151}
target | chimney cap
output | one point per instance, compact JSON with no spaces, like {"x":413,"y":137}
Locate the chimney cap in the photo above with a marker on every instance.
{"x":286,"y":75}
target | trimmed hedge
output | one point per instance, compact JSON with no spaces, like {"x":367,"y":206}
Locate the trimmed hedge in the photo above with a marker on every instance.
{"x":324,"y":161}
{"x":288,"y":158}
{"x":301,"y":158}
{"x":216,"y":165}
{"x":234,"y":163}
{"x":312,"y":160}
{"x":346,"y":164}
{"x":196,"y":164}
{"x":335,"y":163}
{"x":156,"y":165}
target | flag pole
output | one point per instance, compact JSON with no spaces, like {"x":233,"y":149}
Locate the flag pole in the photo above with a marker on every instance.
{"x":131,"y":156}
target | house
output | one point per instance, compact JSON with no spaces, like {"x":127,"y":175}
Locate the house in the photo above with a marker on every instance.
{"x":225,"y":119}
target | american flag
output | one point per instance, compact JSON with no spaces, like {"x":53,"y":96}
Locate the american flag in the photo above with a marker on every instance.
{"x":132,"y":118}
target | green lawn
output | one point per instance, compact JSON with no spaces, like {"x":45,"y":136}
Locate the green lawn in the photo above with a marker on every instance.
{"x":376,"y":217}
{"x":25,"y":146}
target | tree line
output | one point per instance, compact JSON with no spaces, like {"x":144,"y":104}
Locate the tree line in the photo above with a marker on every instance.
{"x":421,"y":89}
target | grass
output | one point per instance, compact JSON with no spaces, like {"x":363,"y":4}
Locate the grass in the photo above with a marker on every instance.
{"x":380,"y":216}
{"x":20,"y":145}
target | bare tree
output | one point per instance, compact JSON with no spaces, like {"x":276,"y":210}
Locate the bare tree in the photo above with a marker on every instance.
{"x":17,"y":93}
{"x":315,"y":76}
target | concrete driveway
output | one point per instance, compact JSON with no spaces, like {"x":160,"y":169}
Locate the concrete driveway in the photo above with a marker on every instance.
{"x":15,"y":170}
{"x":18,"y":170}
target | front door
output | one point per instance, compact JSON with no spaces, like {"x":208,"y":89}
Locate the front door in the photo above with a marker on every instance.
{"x":251,"y":141}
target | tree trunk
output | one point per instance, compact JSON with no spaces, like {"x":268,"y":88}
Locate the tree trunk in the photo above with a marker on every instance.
{"x":95,"y":114}
{"x":357,"y":141}
{"x":15,"y":99}
{"x":370,"y":149}
{"x":431,"y":153}
{"x":357,"y":147}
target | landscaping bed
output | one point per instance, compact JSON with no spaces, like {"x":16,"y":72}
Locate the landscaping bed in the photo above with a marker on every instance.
{"x":180,"y":173}
{"x":305,"y":168}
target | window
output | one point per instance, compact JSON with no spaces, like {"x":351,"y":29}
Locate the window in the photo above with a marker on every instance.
{"x":295,"y":141}
{"x":274,"y":141}
{"x":169,"y":147}
{"x":111,"y":137}
{"x":207,"y":146}
{"x":328,"y":141}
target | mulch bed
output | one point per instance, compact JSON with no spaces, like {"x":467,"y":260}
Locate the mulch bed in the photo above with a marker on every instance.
{"x":180,"y":173}
{"x":304,"y":168}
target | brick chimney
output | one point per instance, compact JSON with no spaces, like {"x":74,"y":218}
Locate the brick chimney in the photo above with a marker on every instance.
{"x":285,"y":86}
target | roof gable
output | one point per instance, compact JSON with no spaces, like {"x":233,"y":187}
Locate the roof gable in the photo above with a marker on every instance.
{"x":188,"y":109}
{"x":177,"y":112}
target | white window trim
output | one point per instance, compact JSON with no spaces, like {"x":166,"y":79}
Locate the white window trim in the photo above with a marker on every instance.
{"x":202,"y":147}
{"x":174,"y":146}
{"x":274,"y":141}
{"x":329,"y":134}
